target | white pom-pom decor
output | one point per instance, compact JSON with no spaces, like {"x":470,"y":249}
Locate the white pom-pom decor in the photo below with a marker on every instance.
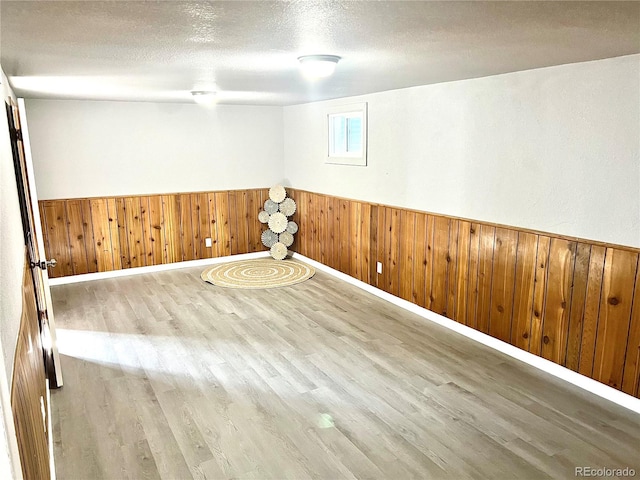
{"x":281,"y":230}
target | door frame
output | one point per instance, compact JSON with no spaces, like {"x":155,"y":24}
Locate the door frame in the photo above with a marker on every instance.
{"x":26,"y":143}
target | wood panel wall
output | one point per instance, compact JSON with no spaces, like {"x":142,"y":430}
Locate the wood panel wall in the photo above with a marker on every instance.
{"x":571,"y":301}
{"x":29,"y":399}
{"x":568,"y":300}
{"x":88,"y":235}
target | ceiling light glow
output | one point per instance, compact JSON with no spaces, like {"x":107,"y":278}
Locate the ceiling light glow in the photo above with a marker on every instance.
{"x":318,"y":66}
{"x":204,"y":97}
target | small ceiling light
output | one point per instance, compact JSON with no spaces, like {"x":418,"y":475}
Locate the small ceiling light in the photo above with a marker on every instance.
{"x":203,"y":97}
{"x":318,"y":66}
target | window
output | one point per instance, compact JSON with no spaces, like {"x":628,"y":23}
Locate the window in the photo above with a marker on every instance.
{"x":347,"y":135}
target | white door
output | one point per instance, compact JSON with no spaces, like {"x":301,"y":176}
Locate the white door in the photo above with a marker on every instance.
{"x":55,"y":382}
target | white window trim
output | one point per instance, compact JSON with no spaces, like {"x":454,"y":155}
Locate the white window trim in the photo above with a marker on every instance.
{"x":359,"y":159}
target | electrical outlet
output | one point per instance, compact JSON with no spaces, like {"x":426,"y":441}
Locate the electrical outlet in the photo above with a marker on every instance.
{"x":379,"y":267}
{"x":207,"y":242}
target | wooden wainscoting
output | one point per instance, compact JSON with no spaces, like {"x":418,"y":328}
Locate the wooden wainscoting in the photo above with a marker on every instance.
{"x":29,"y":399}
{"x":87,"y":235}
{"x":568,"y":300}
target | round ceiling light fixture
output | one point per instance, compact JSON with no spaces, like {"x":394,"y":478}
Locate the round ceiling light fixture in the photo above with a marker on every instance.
{"x":318,"y":66}
{"x":204,"y":97}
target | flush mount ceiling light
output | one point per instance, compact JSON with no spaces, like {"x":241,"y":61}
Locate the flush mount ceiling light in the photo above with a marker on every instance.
{"x":204,"y":97}
{"x":318,"y":66}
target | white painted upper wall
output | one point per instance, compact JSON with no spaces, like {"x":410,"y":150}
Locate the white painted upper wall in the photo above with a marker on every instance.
{"x":554,"y":149}
{"x":93,"y":148}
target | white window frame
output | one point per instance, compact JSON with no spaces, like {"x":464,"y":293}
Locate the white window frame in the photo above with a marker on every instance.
{"x":349,"y":158}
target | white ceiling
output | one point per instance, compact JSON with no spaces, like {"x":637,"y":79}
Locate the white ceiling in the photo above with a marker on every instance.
{"x":159,"y":51}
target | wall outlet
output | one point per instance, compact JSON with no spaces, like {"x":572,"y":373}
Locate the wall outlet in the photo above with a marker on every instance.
{"x":207,"y":242}
{"x":379,"y":267}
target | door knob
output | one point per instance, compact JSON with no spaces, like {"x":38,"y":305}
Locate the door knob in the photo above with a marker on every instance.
{"x":44,"y":264}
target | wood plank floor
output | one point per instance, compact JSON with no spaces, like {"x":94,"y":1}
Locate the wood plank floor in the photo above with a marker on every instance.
{"x":169,"y":377}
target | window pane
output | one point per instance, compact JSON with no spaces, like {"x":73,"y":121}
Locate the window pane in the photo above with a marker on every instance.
{"x":339,"y":132}
{"x":354,"y":132}
{"x":346,"y":134}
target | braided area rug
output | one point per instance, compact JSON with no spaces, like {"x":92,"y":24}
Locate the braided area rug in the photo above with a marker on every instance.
{"x":258,"y":273}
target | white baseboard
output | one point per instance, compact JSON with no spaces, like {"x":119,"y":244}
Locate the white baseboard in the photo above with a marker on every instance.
{"x":586,"y":383}
{"x":154,"y":268}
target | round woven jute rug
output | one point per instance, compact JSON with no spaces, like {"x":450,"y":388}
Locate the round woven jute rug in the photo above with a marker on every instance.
{"x":258,"y":273}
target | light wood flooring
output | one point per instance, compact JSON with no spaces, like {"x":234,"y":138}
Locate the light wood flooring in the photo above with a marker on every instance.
{"x":169,"y":377}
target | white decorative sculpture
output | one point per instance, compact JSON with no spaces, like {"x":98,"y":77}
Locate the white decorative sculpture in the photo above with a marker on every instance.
{"x":278,"y":251}
{"x":269,"y":238}
{"x":292,"y":228}
{"x":278,"y":222}
{"x":263,"y":217}
{"x":287,"y":207}
{"x":270,"y":206}
{"x":277,"y":193}
{"x":286,"y":239}
{"x":281,"y":230}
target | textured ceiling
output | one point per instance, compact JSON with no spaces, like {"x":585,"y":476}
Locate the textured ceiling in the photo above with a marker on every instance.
{"x":159,"y":51}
